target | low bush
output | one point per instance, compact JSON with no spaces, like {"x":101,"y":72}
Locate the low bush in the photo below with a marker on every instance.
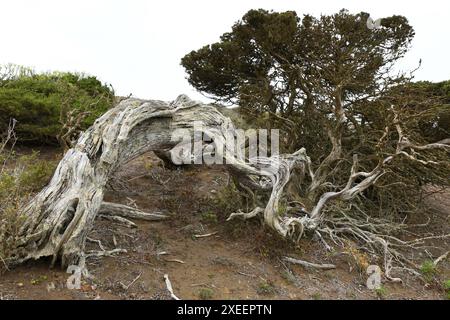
{"x":50,"y":107}
{"x":20,"y":178}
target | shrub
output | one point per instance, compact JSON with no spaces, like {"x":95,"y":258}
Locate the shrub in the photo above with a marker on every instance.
{"x":18,"y":182}
{"x":447,"y":289}
{"x":209,"y":217}
{"x":381,"y":292}
{"x":428,"y":269}
{"x":46,"y":105}
{"x":265,"y":288}
{"x":205,"y":293}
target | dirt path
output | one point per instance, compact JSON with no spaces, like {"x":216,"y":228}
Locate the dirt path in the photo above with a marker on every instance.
{"x":241,"y":260}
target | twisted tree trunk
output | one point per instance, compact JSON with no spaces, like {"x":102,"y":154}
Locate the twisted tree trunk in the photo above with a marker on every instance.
{"x":59,"y":218}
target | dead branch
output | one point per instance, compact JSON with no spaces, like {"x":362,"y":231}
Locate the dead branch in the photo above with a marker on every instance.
{"x":114,"y":209}
{"x":119,"y":220}
{"x":169,"y":287}
{"x":204,"y":235}
{"x":441,"y":258}
{"x":310,"y":264}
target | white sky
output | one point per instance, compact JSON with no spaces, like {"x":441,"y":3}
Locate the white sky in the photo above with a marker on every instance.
{"x":137,"y":45}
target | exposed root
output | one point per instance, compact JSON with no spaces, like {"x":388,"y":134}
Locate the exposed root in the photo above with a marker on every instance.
{"x":204,"y":235}
{"x":441,"y":258}
{"x":59,"y":218}
{"x":126,"y":287}
{"x":169,"y":287}
{"x":307,"y":264}
{"x":118,"y":220}
{"x":246,"y":215}
{"x":114,"y":209}
{"x":104,"y":253}
{"x":175,"y":260}
{"x":97,"y":242}
{"x":376,"y":237}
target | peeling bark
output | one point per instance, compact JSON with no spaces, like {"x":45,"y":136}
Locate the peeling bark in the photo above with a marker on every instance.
{"x":114,"y":209}
{"x":59,"y":218}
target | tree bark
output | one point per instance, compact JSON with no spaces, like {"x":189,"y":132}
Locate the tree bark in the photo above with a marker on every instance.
{"x":59,"y":218}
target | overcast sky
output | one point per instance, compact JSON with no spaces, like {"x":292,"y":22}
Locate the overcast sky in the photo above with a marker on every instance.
{"x":137,"y":45}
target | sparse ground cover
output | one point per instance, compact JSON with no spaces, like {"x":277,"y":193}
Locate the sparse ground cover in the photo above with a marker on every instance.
{"x":239,"y":260}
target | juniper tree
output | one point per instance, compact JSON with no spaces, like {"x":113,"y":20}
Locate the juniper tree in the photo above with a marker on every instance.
{"x":376,"y":141}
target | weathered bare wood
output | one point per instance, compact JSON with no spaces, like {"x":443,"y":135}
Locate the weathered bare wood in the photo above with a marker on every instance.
{"x":324,"y":266}
{"x":169,"y":287}
{"x":59,"y":218}
{"x":114,"y":209}
{"x":119,"y":220}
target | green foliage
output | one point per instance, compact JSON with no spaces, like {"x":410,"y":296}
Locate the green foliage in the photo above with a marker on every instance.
{"x":205,"y":293}
{"x":447,"y":285}
{"x":428,"y":269}
{"x":209,"y":216}
{"x":229,"y":199}
{"x":316,"y":296}
{"x":447,"y":288}
{"x":43,"y":103}
{"x":266,"y":288}
{"x":381,"y":292}
{"x":328,"y":84}
{"x":436,"y":126}
{"x":275,"y":64}
{"x":17,"y":183}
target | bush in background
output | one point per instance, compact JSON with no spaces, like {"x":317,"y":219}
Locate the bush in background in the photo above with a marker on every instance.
{"x":20,"y":178}
{"x":50,"y":107}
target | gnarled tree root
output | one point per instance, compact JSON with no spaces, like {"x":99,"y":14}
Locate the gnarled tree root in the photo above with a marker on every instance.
{"x":59,"y":218}
{"x":114,"y":209}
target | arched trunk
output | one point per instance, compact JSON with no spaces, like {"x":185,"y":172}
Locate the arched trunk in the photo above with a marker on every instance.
{"x":59,"y":218}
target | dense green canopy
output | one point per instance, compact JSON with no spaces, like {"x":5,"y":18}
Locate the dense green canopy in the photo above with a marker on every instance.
{"x":331,"y":85}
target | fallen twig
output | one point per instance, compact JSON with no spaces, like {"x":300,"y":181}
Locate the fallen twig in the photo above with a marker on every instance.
{"x":115,"y":209}
{"x":118,"y":220}
{"x":246,"y":274}
{"x":175,"y":260}
{"x":310,"y":264}
{"x":131,"y":283}
{"x":98,"y":242}
{"x":4,"y":263}
{"x":169,"y":287}
{"x":440,"y":258}
{"x":107,"y":253}
{"x":205,"y":235}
